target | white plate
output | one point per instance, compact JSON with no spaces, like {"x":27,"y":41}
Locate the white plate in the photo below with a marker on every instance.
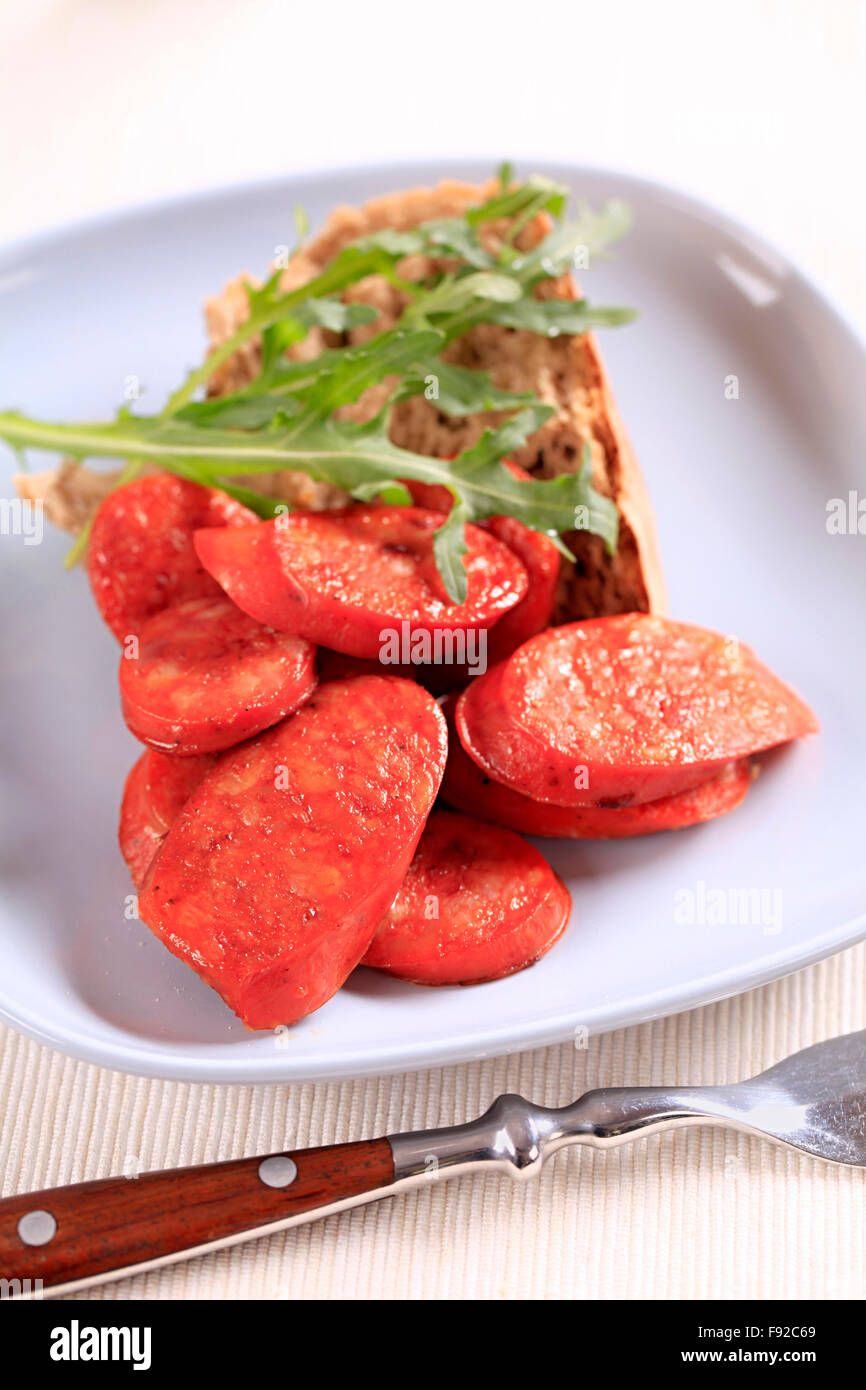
{"x":741,"y":488}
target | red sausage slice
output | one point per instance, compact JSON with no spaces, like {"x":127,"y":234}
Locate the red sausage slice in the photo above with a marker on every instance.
{"x":536,"y":553}
{"x":286,"y":857}
{"x":344,"y":578}
{"x":624,"y":709}
{"x":468,"y":788}
{"x":647,"y":704}
{"x":540,"y":558}
{"x":501,"y":748}
{"x":436,"y":497}
{"x":206,"y":677}
{"x":140,"y":556}
{"x":156,"y":791}
{"x":336,"y":666}
{"x":477,"y":903}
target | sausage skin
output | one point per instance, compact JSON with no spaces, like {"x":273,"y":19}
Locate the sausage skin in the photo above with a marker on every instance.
{"x":156,"y":791}
{"x":477,"y":903}
{"x":140,"y":555}
{"x":344,"y":578}
{"x":203,"y":676}
{"x":285,"y":858}
{"x":468,"y":788}
{"x":625,"y":709}
{"x":540,"y":558}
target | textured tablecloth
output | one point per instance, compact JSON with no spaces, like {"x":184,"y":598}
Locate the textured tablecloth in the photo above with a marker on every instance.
{"x":697,"y":1214}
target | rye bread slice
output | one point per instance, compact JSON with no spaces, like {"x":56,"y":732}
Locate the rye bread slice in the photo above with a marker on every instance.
{"x":565,"y":372}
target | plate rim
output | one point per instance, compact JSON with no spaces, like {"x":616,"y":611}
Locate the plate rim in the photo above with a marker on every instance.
{"x":168,"y":1061}
{"x":463,"y":166}
{"x":708,"y":989}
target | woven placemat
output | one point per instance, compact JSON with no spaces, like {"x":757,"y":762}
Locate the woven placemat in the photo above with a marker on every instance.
{"x":696,"y":1214}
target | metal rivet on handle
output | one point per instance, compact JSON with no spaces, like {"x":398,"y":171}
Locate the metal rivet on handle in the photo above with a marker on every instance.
{"x":278,"y":1171}
{"x":37,"y":1228}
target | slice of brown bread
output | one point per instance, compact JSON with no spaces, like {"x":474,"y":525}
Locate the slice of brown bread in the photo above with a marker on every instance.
{"x":565,"y":372}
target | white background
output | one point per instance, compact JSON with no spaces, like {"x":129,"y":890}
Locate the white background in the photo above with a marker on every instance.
{"x":757,"y":105}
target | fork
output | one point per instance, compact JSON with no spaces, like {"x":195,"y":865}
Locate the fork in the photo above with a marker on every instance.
{"x":69,"y":1238}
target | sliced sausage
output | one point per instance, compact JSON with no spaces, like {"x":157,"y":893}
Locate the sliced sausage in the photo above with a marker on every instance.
{"x":540,"y":558}
{"x":336,"y":666}
{"x":477,"y":903}
{"x":500,"y":747}
{"x":644,"y":701}
{"x":203,"y":676}
{"x":285,"y":858}
{"x":140,"y":556}
{"x":624,"y":709}
{"x":435,"y":497}
{"x":156,"y":791}
{"x":468,"y":788}
{"x":536,"y":552}
{"x":345,"y":578}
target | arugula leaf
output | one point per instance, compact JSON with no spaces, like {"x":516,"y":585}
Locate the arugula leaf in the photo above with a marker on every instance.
{"x":329,"y":313}
{"x":367,"y":364}
{"x":268,"y":305}
{"x":394,"y":242}
{"x":458,"y":390}
{"x":242,"y":410}
{"x":449,"y":547}
{"x":334,"y":378}
{"x":334,"y":314}
{"x":286,"y":379}
{"x":380,"y":254}
{"x":453,"y":236}
{"x":456,"y":293}
{"x":554,"y":316}
{"x":351,"y":457}
{"x":455,"y":390}
{"x":592,"y":232}
{"x":538,"y":192}
{"x":393,"y":492}
{"x":302,"y":222}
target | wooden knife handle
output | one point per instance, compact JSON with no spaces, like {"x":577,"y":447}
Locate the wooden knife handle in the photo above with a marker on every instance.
{"x":92,"y":1229}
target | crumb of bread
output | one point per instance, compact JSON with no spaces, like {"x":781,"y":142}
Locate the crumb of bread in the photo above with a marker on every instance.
{"x":69,"y":493}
